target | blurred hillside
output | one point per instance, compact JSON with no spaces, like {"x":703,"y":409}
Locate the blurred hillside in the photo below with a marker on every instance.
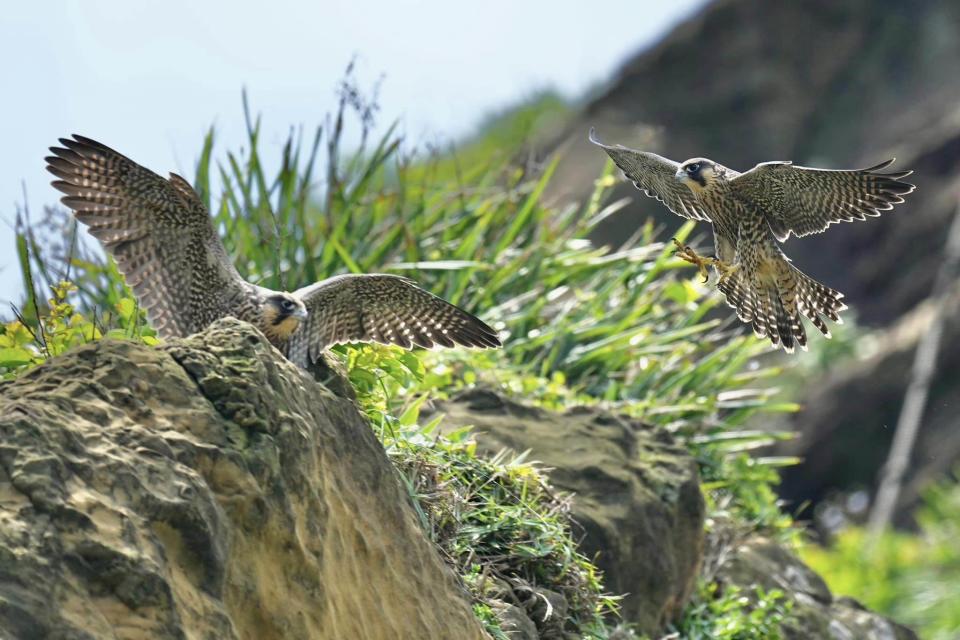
{"x":833,"y":85}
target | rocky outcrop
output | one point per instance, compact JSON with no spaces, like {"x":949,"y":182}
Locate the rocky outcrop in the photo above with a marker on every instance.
{"x":815,"y":613}
{"x":637,"y":494}
{"x":210,"y":489}
{"x":207,"y":489}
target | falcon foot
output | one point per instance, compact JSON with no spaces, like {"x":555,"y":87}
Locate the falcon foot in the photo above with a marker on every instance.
{"x":703,"y":263}
{"x":725,"y":269}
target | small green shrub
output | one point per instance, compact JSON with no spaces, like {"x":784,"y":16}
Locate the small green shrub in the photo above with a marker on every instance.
{"x":57,"y":327}
{"x":735,"y":614}
{"x":496,"y":520}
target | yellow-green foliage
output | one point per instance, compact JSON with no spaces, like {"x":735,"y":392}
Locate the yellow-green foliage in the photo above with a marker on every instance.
{"x":59,"y":326}
{"x":501,"y":137}
{"x":912,"y":577}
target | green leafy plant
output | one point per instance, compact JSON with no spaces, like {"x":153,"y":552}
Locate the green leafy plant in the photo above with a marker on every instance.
{"x":497,"y":520}
{"x":733,"y":613}
{"x":57,"y":327}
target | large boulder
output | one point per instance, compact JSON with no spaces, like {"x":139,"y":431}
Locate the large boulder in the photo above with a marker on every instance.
{"x":207,"y":489}
{"x":636,"y":494}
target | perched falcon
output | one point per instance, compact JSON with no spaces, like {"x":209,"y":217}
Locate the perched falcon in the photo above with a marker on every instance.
{"x":165,"y":245}
{"x":752,"y":213}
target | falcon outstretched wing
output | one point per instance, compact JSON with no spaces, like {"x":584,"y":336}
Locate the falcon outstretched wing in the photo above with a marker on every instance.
{"x":802,"y":201}
{"x":381,"y":308}
{"x":656,"y":177}
{"x":158,"y":231}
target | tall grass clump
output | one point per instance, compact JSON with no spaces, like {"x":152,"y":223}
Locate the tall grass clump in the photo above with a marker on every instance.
{"x":581,"y":324}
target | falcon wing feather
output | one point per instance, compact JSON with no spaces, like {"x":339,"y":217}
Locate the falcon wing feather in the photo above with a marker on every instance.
{"x":382,"y":308}
{"x":656,"y":177}
{"x":803,"y":201}
{"x":158,"y":231}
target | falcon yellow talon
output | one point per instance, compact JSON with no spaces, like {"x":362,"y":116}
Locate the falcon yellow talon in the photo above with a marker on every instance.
{"x":725,"y":269}
{"x":684,"y":252}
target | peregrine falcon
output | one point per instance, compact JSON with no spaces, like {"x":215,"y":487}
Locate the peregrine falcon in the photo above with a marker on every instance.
{"x":165,"y":245}
{"x":751,"y":214}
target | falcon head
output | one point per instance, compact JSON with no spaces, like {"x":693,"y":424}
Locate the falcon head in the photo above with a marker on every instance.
{"x":697,"y":173}
{"x":281,"y":315}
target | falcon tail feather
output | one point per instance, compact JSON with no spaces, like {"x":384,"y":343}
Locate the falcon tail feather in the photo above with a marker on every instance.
{"x":774,"y":307}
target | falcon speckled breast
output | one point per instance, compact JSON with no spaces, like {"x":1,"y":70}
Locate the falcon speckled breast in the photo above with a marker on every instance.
{"x":752,"y":213}
{"x":161,"y":236}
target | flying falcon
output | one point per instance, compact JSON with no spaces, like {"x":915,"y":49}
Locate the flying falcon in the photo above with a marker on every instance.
{"x":161,"y":236}
{"x":752,"y":213}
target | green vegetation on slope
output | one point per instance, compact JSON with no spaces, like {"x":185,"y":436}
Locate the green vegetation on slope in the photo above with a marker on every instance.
{"x":582,"y":325}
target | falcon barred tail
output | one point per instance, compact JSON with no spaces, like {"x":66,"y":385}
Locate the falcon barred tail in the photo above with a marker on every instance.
{"x":774,"y":308}
{"x":162,"y":238}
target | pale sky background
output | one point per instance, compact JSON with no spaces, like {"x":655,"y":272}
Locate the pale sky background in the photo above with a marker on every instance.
{"x":149,"y":78}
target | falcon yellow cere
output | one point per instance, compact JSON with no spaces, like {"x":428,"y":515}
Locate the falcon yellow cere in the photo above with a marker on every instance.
{"x":752,"y":213}
{"x":165,"y":245}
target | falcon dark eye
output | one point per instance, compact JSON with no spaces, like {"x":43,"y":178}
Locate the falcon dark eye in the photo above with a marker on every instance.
{"x":287,"y":305}
{"x":693,"y":168}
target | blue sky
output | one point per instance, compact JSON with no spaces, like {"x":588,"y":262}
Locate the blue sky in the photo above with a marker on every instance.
{"x":149,"y":78}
